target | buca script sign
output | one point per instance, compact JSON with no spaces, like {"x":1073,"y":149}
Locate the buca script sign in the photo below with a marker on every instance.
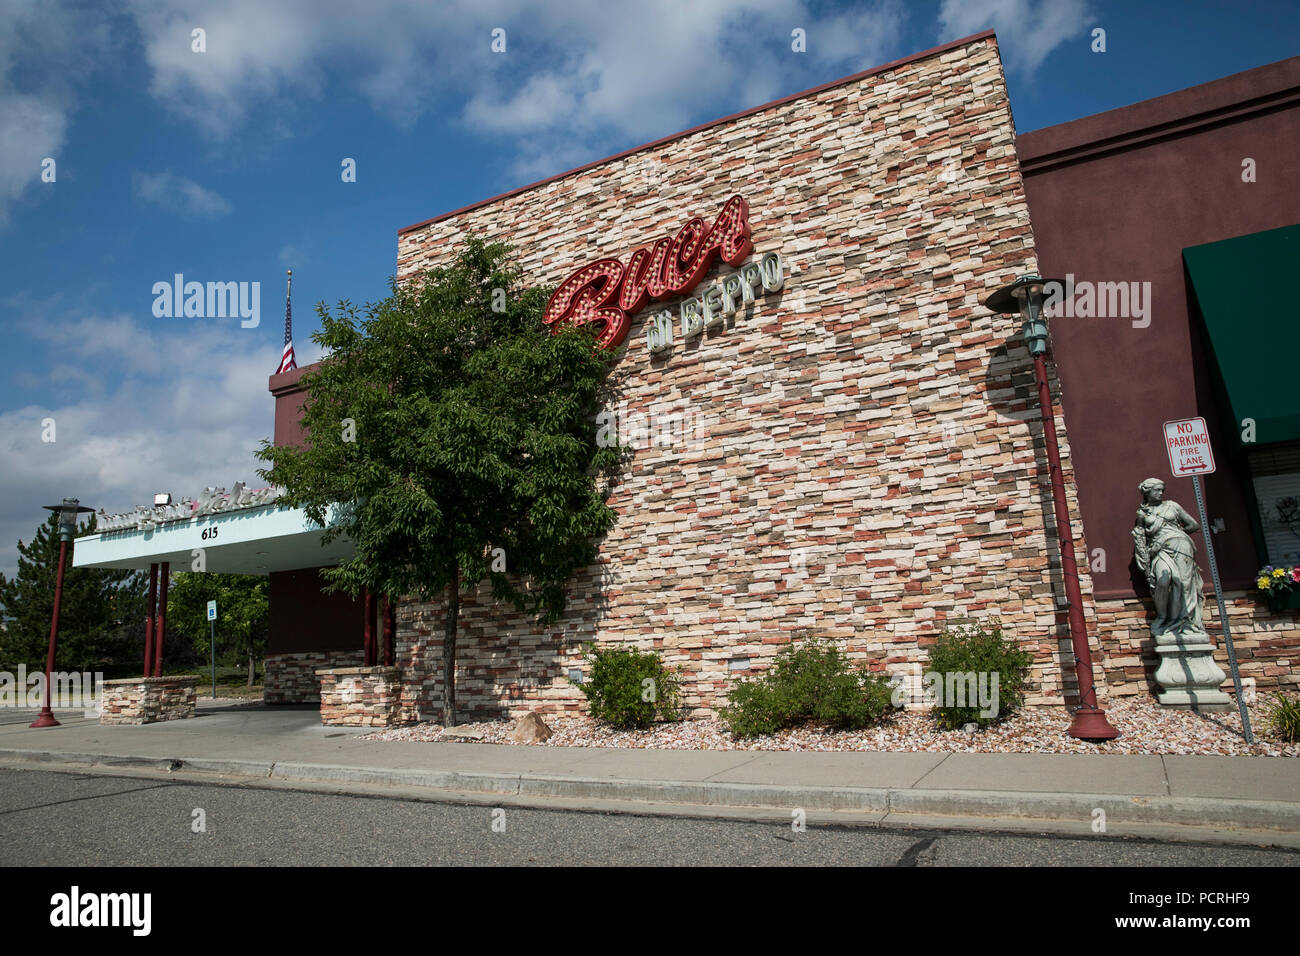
{"x":607,"y":293}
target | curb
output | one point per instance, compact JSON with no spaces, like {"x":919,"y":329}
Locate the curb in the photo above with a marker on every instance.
{"x":1268,"y":818}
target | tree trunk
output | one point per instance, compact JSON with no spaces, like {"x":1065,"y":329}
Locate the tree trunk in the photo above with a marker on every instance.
{"x":449,"y":651}
{"x":251,"y":671}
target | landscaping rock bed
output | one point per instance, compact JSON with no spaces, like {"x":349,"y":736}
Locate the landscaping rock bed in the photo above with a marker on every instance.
{"x":1145,"y":728}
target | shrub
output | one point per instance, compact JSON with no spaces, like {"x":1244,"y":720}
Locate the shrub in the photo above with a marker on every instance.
{"x":810,"y":681}
{"x":972,"y":649}
{"x":1283,"y":716}
{"x":629,"y":688}
{"x":754,"y":708}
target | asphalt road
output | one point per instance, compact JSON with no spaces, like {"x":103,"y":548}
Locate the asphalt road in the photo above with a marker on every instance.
{"x":75,"y":819}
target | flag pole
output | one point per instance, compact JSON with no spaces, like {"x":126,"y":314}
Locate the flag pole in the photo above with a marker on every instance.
{"x":287,"y":361}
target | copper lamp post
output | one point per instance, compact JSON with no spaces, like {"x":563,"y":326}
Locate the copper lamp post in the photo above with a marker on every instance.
{"x":67,"y":513}
{"x":1025,"y":297}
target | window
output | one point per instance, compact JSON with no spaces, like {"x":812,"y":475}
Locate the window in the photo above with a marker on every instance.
{"x":1275,"y":474}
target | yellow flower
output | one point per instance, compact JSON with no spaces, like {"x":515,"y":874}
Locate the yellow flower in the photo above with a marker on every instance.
{"x":1262,"y":584}
{"x":1278,"y":572}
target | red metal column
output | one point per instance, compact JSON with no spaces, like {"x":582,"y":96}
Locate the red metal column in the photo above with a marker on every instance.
{"x":148,"y":619}
{"x":161,"y":634}
{"x":46,"y":717}
{"x":368,"y":637}
{"x":1089,"y":722}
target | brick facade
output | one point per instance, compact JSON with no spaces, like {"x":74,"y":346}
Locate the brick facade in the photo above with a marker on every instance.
{"x":292,"y":678}
{"x":1267,"y":644}
{"x":867,"y":461}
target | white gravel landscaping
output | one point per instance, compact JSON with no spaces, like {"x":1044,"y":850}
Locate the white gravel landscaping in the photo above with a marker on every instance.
{"x":1145,"y":728}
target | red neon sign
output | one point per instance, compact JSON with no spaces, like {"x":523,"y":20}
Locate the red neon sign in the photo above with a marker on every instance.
{"x":608,"y":294}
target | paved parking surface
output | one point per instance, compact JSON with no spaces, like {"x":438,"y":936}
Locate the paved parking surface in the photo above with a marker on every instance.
{"x":76,"y":819}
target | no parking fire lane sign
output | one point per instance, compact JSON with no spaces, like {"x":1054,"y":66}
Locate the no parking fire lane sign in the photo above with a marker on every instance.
{"x":1188,"y":444}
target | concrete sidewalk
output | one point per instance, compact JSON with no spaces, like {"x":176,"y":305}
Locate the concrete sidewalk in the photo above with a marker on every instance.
{"x":1252,"y":800}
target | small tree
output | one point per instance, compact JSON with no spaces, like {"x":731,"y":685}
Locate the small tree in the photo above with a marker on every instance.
{"x":100,"y":616}
{"x":453,"y":439}
{"x":242,"y":614}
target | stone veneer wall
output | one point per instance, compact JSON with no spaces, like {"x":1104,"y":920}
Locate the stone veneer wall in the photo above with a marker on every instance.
{"x":869,"y":463}
{"x":292,"y":679}
{"x":360,"y":696}
{"x":145,"y":700}
{"x":1267,"y":644}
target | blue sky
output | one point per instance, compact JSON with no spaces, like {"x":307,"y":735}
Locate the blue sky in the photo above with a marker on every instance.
{"x":224,"y":165}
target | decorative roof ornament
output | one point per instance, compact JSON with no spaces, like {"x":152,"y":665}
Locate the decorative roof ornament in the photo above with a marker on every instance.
{"x":210,"y":501}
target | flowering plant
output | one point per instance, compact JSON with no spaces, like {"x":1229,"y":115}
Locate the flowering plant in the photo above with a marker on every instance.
{"x":1277,"y":581}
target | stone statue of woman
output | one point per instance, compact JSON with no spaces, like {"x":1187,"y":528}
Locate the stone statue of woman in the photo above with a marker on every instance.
{"x":1167,"y":556}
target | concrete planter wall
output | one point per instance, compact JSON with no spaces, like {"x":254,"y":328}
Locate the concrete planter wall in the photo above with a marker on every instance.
{"x":360,"y":696}
{"x":146,"y":700}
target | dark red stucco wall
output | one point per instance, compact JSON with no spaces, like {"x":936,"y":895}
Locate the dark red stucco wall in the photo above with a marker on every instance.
{"x":301,"y":617}
{"x":304,"y":619}
{"x":285,"y":388}
{"x":1116,"y":197}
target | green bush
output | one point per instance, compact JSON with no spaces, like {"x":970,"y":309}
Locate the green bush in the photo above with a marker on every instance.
{"x":754,"y":708}
{"x":1283,"y":716}
{"x":629,"y":688}
{"x":972,"y":649}
{"x":808,"y":681}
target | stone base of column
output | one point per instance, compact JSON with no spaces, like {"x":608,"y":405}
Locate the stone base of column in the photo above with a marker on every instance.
{"x":1189,"y":677}
{"x":146,"y":700}
{"x":360,"y":696}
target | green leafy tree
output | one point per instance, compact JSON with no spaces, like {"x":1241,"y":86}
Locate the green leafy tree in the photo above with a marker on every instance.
{"x":453,"y":439}
{"x":242,"y":614}
{"x":101,"y":615}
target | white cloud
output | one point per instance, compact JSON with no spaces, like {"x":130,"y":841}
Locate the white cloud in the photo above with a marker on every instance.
{"x":179,"y":194}
{"x":571,"y":71}
{"x":295,"y":255}
{"x":52,"y":52}
{"x":170,"y":406}
{"x":31,"y":129}
{"x":643,"y":73}
{"x":268,"y":54}
{"x":1027,"y":31}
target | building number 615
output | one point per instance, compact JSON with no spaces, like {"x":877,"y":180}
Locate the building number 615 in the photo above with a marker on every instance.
{"x":209,"y":533}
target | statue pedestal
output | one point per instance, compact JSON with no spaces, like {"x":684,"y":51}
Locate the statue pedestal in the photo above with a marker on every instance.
{"x":1188,"y":676}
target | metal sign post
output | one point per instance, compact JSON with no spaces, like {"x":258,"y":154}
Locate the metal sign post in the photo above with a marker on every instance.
{"x":1223,"y":611}
{"x":212,"y":634}
{"x":1190,"y":454}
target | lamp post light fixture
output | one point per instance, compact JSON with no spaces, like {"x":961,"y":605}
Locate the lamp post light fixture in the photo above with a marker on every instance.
{"x":67,"y":512}
{"x":1025,"y":297}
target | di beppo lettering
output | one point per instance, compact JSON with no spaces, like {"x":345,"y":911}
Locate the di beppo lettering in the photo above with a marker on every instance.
{"x":721,"y":299}
{"x":606,"y":294}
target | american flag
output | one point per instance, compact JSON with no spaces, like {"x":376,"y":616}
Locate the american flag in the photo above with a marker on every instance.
{"x":287,"y":362}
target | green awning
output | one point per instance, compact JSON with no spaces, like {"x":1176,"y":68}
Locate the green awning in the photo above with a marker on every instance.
{"x":1248,"y":290}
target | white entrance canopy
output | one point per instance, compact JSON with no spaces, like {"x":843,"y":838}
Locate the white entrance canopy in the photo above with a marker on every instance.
{"x":255,"y":540}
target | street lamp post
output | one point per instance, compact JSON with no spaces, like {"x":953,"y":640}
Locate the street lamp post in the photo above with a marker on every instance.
{"x":67,"y":513}
{"x":1025,"y":296}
